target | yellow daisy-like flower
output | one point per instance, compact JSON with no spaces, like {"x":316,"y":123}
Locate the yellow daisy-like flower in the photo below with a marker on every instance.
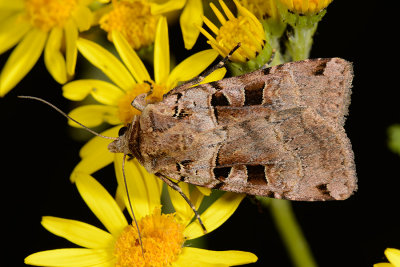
{"x":244,"y":29}
{"x":34,"y":26}
{"x":306,"y":6}
{"x":130,"y":78}
{"x":163,"y":235}
{"x":133,"y":19}
{"x":393,"y":255}
{"x":190,"y":18}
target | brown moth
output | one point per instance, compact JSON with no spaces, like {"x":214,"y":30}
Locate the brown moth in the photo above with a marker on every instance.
{"x":275,"y":132}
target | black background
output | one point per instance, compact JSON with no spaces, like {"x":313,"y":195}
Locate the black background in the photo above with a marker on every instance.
{"x":38,"y":155}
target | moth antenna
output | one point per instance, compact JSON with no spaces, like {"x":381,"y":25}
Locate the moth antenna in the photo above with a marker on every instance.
{"x":68,"y":117}
{"x":130,"y":204}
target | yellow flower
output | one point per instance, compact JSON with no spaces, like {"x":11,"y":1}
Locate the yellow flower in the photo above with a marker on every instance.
{"x":306,"y":6}
{"x":163,"y":235}
{"x":393,"y":255}
{"x":129,"y":78}
{"x":133,"y":19}
{"x":244,"y":29}
{"x":37,"y":25}
{"x":190,"y":19}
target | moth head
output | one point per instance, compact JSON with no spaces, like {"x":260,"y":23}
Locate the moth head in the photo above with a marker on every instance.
{"x":127,"y":136}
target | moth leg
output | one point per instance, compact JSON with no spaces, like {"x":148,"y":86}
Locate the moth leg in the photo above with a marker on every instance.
{"x":176,"y":187}
{"x":140,"y":101}
{"x":207,"y":72}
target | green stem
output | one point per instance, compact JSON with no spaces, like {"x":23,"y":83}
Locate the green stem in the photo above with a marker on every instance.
{"x":299,"y":44}
{"x":290,"y":231}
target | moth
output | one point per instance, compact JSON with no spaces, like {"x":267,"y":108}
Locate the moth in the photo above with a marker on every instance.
{"x":275,"y":132}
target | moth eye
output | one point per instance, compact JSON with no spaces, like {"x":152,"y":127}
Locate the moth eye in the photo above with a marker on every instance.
{"x":122,"y":131}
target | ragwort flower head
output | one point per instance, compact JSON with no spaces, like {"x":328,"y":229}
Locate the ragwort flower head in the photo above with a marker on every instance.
{"x":34,"y":26}
{"x":254,"y":50}
{"x":244,"y":29}
{"x":306,"y":6}
{"x":133,"y":19}
{"x":163,"y":235}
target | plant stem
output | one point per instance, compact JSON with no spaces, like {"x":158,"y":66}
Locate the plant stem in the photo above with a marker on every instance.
{"x":290,"y":231}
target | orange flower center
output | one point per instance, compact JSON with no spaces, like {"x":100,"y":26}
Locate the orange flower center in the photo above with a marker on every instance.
{"x":125,"y":110}
{"x":162,"y":238}
{"x":133,"y":20}
{"x":46,"y":14}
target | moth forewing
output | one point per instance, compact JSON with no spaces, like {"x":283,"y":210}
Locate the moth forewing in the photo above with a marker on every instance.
{"x":275,"y":132}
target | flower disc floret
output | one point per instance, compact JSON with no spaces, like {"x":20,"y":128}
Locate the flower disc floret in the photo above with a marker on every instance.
{"x":125,"y":110}
{"x":134,"y":20}
{"x":46,"y":14}
{"x":162,"y":238}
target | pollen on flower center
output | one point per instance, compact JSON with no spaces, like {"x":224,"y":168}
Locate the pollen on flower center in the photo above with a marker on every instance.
{"x":162,"y":238}
{"x":239,"y":30}
{"x":125,"y":109}
{"x":133,"y":20}
{"x":46,"y":14}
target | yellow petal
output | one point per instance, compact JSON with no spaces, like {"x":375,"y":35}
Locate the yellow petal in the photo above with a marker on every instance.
{"x":130,"y":58}
{"x":166,"y":6}
{"x":98,"y":144}
{"x":204,"y":190}
{"x":53,"y":58}
{"x":22,"y":59}
{"x":15,"y":4}
{"x":196,"y":196}
{"x":101,"y":203}
{"x":393,"y":255}
{"x":94,"y":115}
{"x":144,"y":188}
{"x":120,"y":196}
{"x":216,"y":75}
{"x":104,"y":92}
{"x":83,"y":18}
{"x":80,"y":233}
{"x":384,"y":264}
{"x":191,"y":67}
{"x":190,"y":20}
{"x":224,"y":258}
{"x":161,"y":52}
{"x":12,"y":29}
{"x":184,"y":212}
{"x":215,"y":215}
{"x":95,"y":154}
{"x":78,"y":257}
{"x":92,"y":163}
{"x":71,"y":50}
{"x":107,"y":63}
